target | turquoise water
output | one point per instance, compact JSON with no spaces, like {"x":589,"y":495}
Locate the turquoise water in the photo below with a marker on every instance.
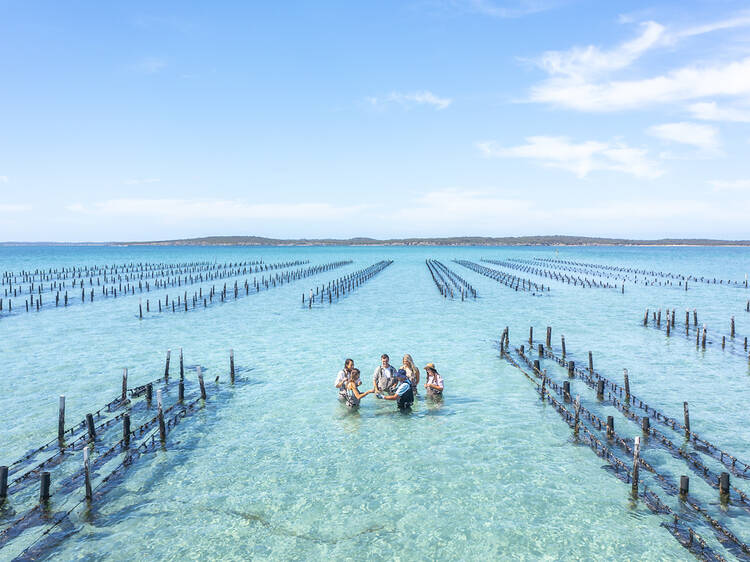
{"x":277,"y":468}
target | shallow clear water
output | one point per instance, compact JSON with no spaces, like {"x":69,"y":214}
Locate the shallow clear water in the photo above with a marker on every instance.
{"x":277,"y":468}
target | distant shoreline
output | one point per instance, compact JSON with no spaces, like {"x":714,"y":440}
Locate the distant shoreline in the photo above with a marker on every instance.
{"x":548,"y":241}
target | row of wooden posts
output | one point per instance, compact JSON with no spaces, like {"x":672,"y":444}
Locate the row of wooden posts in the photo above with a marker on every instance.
{"x":446,"y":280}
{"x":147,"y":390}
{"x":338,"y":288}
{"x":507,"y":279}
{"x":550,"y":274}
{"x":277,"y":280}
{"x":701,"y":332}
{"x":722,"y":483}
{"x":135,"y":271}
{"x":649,"y":273}
{"x":35,"y":301}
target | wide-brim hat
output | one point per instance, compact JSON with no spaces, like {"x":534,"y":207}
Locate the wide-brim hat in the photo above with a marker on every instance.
{"x":430,"y":366}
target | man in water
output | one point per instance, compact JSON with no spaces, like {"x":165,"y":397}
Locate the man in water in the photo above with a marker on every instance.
{"x":384,"y":378}
{"x":404,"y":395}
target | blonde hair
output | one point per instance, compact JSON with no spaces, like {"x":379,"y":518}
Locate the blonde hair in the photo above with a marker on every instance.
{"x":409,"y":362}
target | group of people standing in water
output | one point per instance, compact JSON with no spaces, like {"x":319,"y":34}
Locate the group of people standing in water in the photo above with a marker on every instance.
{"x":389,"y":383}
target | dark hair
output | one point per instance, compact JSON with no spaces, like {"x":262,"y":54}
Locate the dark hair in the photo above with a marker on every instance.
{"x":347,"y":361}
{"x":384,"y":356}
{"x":355,"y":373}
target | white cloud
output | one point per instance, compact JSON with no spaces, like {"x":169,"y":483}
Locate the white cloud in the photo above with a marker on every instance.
{"x":141,"y":181}
{"x":579,"y":158}
{"x":688,"y":83}
{"x":182,"y":209}
{"x":423,"y":97}
{"x":579,"y":78}
{"x":709,"y":111}
{"x":3,"y":179}
{"x":734,"y":185}
{"x":701,"y":136}
{"x":580,"y":62}
{"x":13,"y":208}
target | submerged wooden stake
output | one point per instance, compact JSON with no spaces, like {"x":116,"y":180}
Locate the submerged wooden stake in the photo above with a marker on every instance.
{"x":636,"y":461}
{"x":61,"y":418}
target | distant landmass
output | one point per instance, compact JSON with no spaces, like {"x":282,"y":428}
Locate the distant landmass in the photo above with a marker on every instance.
{"x":557,"y":240}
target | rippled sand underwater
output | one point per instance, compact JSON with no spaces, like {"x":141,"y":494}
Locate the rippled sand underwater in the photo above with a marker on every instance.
{"x":276,"y":467}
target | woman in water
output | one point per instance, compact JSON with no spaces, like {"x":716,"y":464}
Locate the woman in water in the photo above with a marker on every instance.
{"x":434,"y":384}
{"x":353,"y":396}
{"x":343,"y":378}
{"x":412,"y":371}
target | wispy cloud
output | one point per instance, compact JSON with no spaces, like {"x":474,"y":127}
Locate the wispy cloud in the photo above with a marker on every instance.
{"x":183,"y":209}
{"x":141,"y":181}
{"x":423,"y":97}
{"x":704,"y":137}
{"x":582,"y":62}
{"x":579,"y":78}
{"x":150,"y":65}
{"x":733,"y":185}
{"x":3,"y":179}
{"x":684,"y":84}
{"x":710,"y":111}
{"x":498,"y":8}
{"x":580,"y":158}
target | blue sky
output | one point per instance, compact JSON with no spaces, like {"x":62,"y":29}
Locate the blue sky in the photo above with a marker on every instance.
{"x":151,"y":120}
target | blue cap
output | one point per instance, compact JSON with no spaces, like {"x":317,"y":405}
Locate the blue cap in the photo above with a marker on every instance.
{"x":401,"y":374}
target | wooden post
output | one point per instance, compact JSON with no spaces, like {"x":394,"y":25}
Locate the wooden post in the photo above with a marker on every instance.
{"x":731,"y":328}
{"x":531,"y":336}
{"x":3,"y":483}
{"x":126,"y":430}
{"x":566,"y":390}
{"x":140,"y":310}
{"x":231,"y":366}
{"x":124,"y":384}
{"x":562,"y":339}
{"x":181,"y":391}
{"x":591,"y":363}
{"x":90,"y":425}
{"x":627,"y":385}
{"x":684,"y":486}
{"x":87,"y":474}
{"x":636,"y":462}
{"x":182,"y":368}
{"x":695,"y":317}
{"x":703,"y":339}
{"x":200,"y":381}
{"x":668,"y":325}
{"x":687,"y":419}
{"x":578,"y":414}
{"x":160,"y":414}
{"x":646,"y":425}
{"x":724,"y":484}
{"x":537,"y":367}
{"x":610,"y":426}
{"x":600,"y":389}
{"x":61,"y":418}
{"x":44,"y":487}
{"x":166,"y":367}
{"x":540,"y":348}
{"x":571,"y":369}
{"x":549,"y":336}
{"x":645,"y":318}
{"x":544,"y":381}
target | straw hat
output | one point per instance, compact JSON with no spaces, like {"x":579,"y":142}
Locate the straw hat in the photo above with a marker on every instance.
{"x":430,"y":366}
